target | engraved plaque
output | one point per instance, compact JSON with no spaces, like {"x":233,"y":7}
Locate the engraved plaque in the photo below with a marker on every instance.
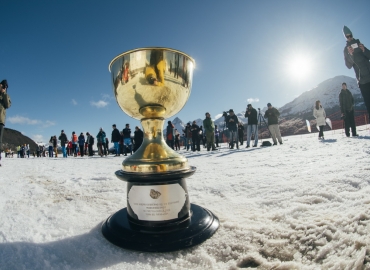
{"x":157,"y":202}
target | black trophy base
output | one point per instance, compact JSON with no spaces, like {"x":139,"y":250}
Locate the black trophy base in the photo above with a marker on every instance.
{"x":122,"y":232}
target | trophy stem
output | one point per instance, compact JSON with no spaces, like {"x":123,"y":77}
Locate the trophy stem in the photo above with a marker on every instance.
{"x":154,"y":155}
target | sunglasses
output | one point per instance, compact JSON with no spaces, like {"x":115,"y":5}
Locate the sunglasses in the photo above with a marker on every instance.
{"x":349,"y":36}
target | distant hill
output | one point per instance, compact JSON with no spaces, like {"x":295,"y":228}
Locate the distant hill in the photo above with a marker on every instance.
{"x":12,"y":138}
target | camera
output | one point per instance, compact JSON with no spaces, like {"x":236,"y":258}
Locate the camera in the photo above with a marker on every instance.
{"x":224,"y":114}
{"x":354,"y":44}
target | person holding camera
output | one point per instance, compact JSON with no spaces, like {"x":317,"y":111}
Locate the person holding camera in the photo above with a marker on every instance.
{"x":347,"y":103}
{"x":272,"y":115}
{"x":232,"y":124}
{"x":5,"y":103}
{"x":252,"y":127}
{"x":356,"y":55}
{"x":320,"y":115}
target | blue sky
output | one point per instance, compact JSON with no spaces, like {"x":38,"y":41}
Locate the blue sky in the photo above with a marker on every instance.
{"x":55,"y":54}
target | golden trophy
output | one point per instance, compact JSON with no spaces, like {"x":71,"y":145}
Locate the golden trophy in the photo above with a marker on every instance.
{"x":151,"y":84}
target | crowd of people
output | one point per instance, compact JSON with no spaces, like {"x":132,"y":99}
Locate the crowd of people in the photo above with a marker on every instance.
{"x":193,"y":135}
{"x":84,"y":145}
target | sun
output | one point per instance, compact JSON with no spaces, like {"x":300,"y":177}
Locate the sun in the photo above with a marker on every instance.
{"x":299,"y":66}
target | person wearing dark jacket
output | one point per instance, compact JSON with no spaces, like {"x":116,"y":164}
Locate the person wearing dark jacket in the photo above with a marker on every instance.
{"x":187,"y":137}
{"x":55,"y":145}
{"x":63,"y":140}
{"x":90,"y":144}
{"x":209,"y":128}
{"x":217,"y":135}
{"x":100,"y":137}
{"x":127,"y":143}
{"x":195,"y":136}
{"x":272,"y":115}
{"x":232,"y":125}
{"x":346,"y":103}
{"x":115,"y":139}
{"x":356,"y":55}
{"x":81,"y":143}
{"x":240,"y":133}
{"x":138,"y":138}
{"x":170,"y":134}
{"x":252,"y":127}
{"x":5,"y":103}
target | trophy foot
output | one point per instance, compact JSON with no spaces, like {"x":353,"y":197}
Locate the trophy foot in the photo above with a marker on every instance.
{"x":172,"y":236}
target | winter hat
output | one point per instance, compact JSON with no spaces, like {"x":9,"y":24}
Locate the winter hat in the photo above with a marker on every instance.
{"x":346,"y":31}
{"x":269,"y":104}
{"x":4,"y":83}
{"x":62,"y":131}
{"x":249,"y":105}
{"x":231,"y":110}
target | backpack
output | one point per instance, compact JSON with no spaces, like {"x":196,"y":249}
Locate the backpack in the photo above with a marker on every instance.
{"x":92,"y":140}
{"x":74,"y":139}
{"x":169,"y":136}
{"x":266,"y":143}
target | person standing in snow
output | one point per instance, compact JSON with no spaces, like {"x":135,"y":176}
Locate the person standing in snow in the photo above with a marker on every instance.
{"x":347,"y":103}
{"x":81,"y":143}
{"x":252,"y":127}
{"x":101,"y":142}
{"x":51,"y":147}
{"x":195,"y":137}
{"x":74,"y":140}
{"x":177,"y":140}
{"x":187,"y":137}
{"x":115,"y":139}
{"x":232,"y":124}
{"x":240,"y":133}
{"x":320,"y":116}
{"x":5,"y":103}
{"x":90,"y":144}
{"x":63,"y":140}
{"x":209,"y":127}
{"x":138,"y":138}
{"x":126,"y":132}
{"x":170,"y":134}
{"x":217,"y":135}
{"x":356,"y":55}
{"x":272,"y":115}
{"x":55,"y":145}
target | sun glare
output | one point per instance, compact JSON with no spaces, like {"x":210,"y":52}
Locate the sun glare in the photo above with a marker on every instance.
{"x":299,"y":67}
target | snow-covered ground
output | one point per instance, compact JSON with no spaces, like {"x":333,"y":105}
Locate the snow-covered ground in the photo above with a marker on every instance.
{"x":301,"y":205}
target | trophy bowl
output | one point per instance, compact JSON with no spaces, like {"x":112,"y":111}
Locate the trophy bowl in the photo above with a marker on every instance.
{"x":151,"y":84}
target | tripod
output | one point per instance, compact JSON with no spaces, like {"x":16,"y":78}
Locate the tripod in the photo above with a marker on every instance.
{"x":261,"y":119}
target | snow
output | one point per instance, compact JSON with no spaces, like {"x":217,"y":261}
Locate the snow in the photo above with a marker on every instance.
{"x":301,"y":205}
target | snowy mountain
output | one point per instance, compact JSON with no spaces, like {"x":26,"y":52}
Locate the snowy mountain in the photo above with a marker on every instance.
{"x":327,"y":92}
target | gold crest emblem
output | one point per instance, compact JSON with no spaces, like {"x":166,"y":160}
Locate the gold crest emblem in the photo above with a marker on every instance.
{"x":154,"y":194}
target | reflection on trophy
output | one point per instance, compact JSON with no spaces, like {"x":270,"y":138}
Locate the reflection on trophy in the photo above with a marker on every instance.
{"x":151,"y":84}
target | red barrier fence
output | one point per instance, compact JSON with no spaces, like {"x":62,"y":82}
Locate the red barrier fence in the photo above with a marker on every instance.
{"x":361,"y":118}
